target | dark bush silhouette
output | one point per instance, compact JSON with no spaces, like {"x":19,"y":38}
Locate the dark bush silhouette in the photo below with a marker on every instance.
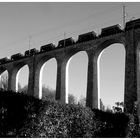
{"x":60,"y":121}
{"x":111,"y":125}
{"x":133,"y":130}
{"x":25,"y":116}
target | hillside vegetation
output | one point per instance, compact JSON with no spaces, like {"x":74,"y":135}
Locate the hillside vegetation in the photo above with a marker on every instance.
{"x":24,"y":116}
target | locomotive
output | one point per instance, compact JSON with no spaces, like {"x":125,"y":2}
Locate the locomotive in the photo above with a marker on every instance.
{"x":47,"y":47}
{"x":16,"y":56}
{"x":111,"y":30}
{"x":66,"y":42}
{"x":86,"y":37}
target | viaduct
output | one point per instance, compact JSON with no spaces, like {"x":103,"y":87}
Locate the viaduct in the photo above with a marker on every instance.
{"x":93,"y":45}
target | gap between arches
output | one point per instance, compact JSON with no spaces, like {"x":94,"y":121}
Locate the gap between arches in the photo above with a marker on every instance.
{"x":111,"y":74}
{"x":47,"y":80}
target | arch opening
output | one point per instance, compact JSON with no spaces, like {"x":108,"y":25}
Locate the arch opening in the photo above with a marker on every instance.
{"x":47,"y":80}
{"x":111,"y":78}
{"x":4,"y":80}
{"x":22,"y":79}
{"x":76,"y":79}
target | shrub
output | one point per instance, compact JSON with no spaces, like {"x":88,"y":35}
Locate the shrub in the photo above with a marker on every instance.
{"x":111,"y":125}
{"x":133,"y":130}
{"x":26,"y":116}
{"x":56,"y":120}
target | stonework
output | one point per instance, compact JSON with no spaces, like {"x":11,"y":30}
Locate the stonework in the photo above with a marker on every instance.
{"x":129,"y":37}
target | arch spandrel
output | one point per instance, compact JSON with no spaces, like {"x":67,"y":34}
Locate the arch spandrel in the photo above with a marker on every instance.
{"x":2,"y":69}
{"x":41,"y":61}
{"x":106,"y":43}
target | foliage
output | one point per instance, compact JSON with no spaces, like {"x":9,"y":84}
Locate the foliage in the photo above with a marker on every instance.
{"x":56,"y":120}
{"x":133,"y":130}
{"x":71,"y":99}
{"x":25,"y":116}
{"x":102,"y":107}
{"x":82,"y":101}
{"x":111,"y":124}
{"x":24,"y":89}
{"x":49,"y":94}
{"x":4,"y":82}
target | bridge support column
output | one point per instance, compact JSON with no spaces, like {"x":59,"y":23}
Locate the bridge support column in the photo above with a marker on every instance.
{"x":61,"y":81}
{"x":138,"y":80}
{"x":37,"y":93}
{"x":31,"y":79}
{"x":130,"y":94}
{"x":92,"y":90}
{"x":12,"y":79}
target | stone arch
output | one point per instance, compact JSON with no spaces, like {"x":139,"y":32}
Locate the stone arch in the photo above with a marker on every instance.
{"x":106,"y":43}
{"x":104,"y":48}
{"x":73,"y":70}
{"x":42,"y":67}
{"x":22,"y":80}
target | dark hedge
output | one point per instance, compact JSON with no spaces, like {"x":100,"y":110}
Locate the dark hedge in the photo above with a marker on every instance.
{"x":25,"y":116}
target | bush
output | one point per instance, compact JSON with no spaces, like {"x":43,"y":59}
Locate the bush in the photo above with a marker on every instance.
{"x":111,"y":125}
{"x":25,"y":116}
{"x":133,"y":130}
{"x":56,"y":120}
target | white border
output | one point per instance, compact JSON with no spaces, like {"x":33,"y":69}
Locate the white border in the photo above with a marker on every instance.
{"x":70,"y":1}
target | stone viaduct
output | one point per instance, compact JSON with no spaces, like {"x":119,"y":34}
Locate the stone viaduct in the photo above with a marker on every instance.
{"x":129,"y":37}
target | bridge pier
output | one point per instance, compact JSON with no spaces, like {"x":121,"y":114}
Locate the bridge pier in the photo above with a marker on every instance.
{"x":130,"y":94}
{"x":12,"y":74}
{"x":61,"y":81}
{"x":138,"y":80}
{"x":92,"y":90}
{"x":31,"y":80}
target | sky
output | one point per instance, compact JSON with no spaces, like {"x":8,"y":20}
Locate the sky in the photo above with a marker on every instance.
{"x":47,"y":22}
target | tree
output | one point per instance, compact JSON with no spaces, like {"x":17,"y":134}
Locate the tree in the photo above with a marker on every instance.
{"x":71,"y":99}
{"x":118,"y":107}
{"x":122,"y":104}
{"x":23,"y":89}
{"x":82,"y":101}
{"x":102,"y":107}
{"x":48,"y":94}
{"x":108,"y":109}
{"x":117,"y":103}
{"x":4,"y":81}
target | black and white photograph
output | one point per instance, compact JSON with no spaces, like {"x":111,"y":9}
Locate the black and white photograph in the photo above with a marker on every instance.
{"x":69,"y":69}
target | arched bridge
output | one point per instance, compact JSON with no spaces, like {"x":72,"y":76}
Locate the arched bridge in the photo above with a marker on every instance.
{"x":93,"y":45}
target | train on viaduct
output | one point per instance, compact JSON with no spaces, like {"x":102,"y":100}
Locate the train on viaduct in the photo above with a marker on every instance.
{"x":93,"y":45}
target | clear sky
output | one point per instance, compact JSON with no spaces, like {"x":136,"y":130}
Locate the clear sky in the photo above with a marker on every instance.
{"x":47,"y":22}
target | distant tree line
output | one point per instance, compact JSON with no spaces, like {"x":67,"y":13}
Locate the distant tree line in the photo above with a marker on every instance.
{"x":49,"y":94}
